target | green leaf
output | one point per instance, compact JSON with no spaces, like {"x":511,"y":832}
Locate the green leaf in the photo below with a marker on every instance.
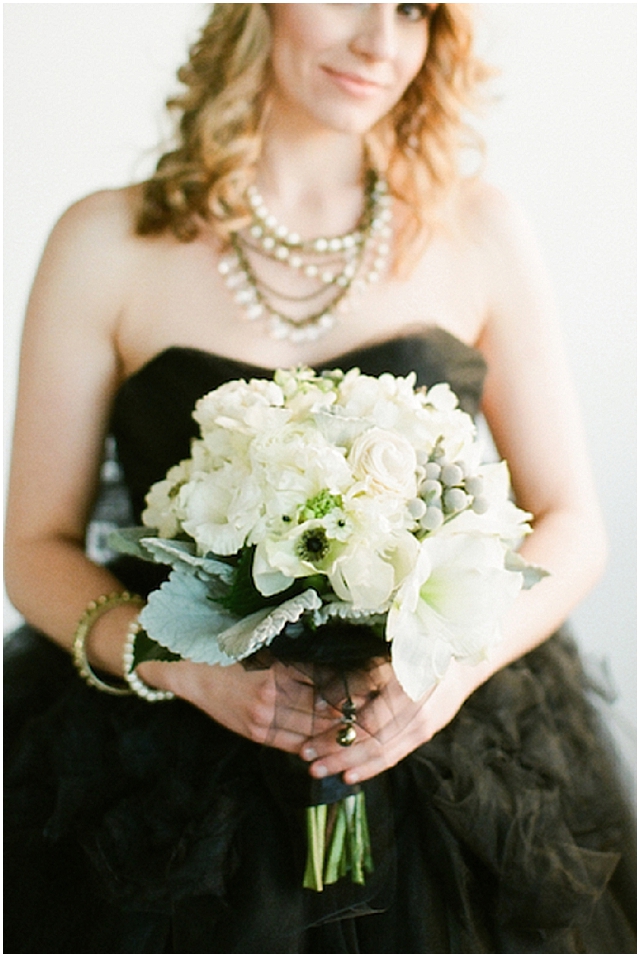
{"x":243,"y":598}
{"x":261,"y":627}
{"x":146,"y":649}
{"x":128,"y":541}
{"x":182,"y":555}
{"x":182,"y":616}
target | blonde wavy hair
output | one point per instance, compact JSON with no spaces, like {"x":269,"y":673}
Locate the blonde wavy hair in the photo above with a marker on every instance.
{"x":226,"y":88}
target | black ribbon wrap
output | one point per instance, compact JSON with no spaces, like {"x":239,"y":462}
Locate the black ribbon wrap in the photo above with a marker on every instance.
{"x":331,"y":659}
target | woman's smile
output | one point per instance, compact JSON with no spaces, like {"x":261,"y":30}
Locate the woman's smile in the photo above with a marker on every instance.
{"x":369,"y":53}
{"x":353,"y":83}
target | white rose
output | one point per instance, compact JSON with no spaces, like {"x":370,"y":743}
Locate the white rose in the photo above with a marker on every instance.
{"x":385,"y":462}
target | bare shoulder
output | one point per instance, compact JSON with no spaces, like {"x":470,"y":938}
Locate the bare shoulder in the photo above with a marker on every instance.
{"x":488,"y":216}
{"x":90,"y":256}
{"x":88,"y":267}
{"x":97,"y":222}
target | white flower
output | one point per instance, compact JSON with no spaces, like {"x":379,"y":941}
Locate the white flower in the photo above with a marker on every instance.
{"x":162,"y":511}
{"x":307,"y":549}
{"x":237,"y":404}
{"x":369,"y":570}
{"x":450,"y":606}
{"x":220,"y":509}
{"x":385,"y":462}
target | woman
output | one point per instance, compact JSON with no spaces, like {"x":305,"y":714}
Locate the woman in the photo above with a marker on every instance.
{"x":503,"y":838}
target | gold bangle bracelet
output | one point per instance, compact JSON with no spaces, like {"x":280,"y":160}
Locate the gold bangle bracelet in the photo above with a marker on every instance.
{"x":94,"y":610}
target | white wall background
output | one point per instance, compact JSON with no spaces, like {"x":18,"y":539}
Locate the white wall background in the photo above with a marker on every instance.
{"x":84,"y":91}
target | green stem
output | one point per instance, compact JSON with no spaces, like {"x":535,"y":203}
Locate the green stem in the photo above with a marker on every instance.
{"x":316,"y":839}
{"x":338,"y":843}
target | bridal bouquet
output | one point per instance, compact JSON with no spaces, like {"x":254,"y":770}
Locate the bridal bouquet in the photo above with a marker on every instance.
{"x":312,"y":499}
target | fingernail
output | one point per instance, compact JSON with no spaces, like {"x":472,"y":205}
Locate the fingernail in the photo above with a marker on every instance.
{"x":321,"y":704}
{"x":309,"y":753}
{"x":351,"y":777}
{"x":319,"y":771}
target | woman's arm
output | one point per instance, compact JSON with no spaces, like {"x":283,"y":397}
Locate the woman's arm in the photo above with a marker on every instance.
{"x":70,"y":368}
{"x":532,"y":411}
{"x":68,"y":373}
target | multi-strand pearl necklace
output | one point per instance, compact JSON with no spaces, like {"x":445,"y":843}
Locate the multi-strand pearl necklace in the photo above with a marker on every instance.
{"x":333,"y":267}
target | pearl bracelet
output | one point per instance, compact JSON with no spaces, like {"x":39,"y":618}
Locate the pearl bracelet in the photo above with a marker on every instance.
{"x":136,"y":684}
{"x":94,"y":610}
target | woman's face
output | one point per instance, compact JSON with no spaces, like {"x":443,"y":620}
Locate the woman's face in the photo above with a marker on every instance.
{"x":343,"y":66}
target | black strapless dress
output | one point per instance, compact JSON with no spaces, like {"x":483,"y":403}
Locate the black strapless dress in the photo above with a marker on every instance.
{"x":138,"y":828}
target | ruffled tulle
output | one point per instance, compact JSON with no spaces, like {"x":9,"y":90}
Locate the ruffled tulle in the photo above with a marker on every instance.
{"x":137,"y":828}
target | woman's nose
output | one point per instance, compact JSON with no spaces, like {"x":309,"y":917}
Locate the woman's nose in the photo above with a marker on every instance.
{"x":377,"y":34}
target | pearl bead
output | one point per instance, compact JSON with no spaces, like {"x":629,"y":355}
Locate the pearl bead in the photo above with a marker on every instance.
{"x":235,"y":279}
{"x":278,"y":329}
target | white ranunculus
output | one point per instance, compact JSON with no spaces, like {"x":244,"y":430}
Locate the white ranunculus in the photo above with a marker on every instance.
{"x":450,"y":606}
{"x":385,"y":462}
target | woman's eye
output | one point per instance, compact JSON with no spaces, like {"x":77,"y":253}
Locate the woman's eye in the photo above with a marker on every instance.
{"x":416,"y":11}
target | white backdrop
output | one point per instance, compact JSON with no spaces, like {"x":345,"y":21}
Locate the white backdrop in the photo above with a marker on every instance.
{"x":84,"y":91}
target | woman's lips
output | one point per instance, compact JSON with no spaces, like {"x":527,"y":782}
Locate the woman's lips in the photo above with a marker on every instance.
{"x":353,"y":83}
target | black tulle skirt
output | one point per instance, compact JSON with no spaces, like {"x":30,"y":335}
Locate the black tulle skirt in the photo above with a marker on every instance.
{"x":138,"y":828}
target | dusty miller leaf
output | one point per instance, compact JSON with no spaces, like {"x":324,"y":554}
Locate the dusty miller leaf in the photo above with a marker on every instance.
{"x":182,"y":616}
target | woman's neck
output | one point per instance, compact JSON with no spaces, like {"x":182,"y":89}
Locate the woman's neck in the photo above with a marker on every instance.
{"x":311,"y":181}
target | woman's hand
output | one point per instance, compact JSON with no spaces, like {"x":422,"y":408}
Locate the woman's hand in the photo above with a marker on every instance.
{"x":389,"y":724}
{"x":273,"y":706}
{"x":280,"y":707}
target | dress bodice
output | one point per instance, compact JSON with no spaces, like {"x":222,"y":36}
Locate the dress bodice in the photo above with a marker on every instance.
{"x":152,"y":423}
